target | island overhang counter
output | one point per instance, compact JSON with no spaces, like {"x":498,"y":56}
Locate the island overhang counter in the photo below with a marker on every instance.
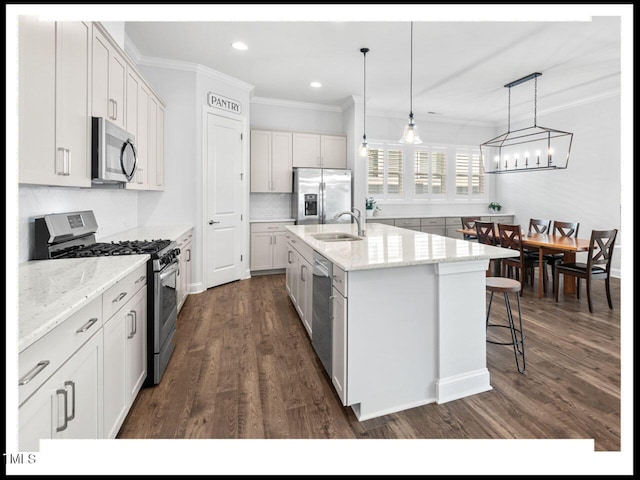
{"x":410,"y":329}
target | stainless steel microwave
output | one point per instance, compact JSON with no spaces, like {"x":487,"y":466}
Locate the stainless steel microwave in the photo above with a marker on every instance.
{"x":113,"y":154}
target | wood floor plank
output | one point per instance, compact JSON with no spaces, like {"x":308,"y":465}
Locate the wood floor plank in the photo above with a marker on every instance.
{"x":245,"y":368}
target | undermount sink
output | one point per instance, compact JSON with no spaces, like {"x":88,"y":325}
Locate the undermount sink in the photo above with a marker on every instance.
{"x":336,"y":237}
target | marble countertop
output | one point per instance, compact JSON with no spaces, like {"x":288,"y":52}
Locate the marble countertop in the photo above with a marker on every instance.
{"x":271,"y":220}
{"x":166,"y":232}
{"x":385,"y":246}
{"x":49,"y":291}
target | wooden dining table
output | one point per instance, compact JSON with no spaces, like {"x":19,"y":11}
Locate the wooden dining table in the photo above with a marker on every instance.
{"x":545,"y":244}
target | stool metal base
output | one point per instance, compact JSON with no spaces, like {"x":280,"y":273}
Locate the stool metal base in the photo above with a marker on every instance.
{"x":517,"y":334}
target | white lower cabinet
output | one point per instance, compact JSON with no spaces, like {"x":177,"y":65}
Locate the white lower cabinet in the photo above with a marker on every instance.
{"x":269,"y":246}
{"x":125,"y":366}
{"x":184,"y":271}
{"x":299,"y":273}
{"x":305,"y":294}
{"x":69,"y":404}
{"x":79,"y":380}
{"x":339,"y":345}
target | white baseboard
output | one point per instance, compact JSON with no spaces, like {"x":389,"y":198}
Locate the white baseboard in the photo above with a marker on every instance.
{"x":459,"y":386}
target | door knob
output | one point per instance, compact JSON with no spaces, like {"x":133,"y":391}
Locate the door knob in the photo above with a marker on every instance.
{"x":211,"y":222}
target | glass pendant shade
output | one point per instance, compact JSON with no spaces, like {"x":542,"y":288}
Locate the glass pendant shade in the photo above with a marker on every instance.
{"x":364,"y":147}
{"x":410,"y":134}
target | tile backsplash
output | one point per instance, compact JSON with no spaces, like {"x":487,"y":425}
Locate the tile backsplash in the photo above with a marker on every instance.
{"x":269,"y":205}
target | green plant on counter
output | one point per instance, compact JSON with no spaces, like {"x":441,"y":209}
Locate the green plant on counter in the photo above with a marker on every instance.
{"x":495,"y":206}
{"x":370,"y":203}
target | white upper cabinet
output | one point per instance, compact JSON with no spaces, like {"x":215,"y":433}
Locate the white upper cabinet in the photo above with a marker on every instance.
{"x":54,"y":115}
{"x":271,"y":161}
{"x":109,"y":79}
{"x":319,"y":151}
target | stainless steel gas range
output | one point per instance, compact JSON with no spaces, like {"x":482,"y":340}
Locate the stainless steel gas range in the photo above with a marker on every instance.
{"x":72,"y":235}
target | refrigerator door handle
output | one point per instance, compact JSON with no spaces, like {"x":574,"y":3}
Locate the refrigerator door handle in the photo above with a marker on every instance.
{"x":322,"y":213}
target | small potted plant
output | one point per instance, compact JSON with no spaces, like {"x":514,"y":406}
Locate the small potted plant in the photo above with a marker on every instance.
{"x":495,"y":207}
{"x":370,"y":205}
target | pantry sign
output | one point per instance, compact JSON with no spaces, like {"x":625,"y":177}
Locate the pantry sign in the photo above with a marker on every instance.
{"x":218,"y":101}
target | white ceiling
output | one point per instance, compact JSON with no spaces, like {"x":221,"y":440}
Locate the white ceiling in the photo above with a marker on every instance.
{"x":459,"y":68}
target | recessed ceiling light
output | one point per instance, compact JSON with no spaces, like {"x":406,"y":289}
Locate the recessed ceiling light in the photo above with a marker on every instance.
{"x":315,"y":84}
{"x":239,"y":46}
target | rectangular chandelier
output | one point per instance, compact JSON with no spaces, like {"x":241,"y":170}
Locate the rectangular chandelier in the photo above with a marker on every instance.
{"x":527,"y":149}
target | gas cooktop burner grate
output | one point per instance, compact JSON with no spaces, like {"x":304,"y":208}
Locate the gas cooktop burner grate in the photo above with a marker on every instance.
{"x":135,"y":247}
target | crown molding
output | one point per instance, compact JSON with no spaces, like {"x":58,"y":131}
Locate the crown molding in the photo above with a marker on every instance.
{"x":195,"y":68}
{"x":277,"y":102}
{"x":131,"y":49}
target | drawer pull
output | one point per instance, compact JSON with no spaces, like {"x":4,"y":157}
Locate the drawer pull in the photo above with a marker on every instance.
{"x":120,"y":297}
{"x":87,"y":325}
{"x":31,"y":374}
{"x":141,"y":278}
{"x":189,"y":259}
{"x":63,"y":391}
{"x":336,"y":279}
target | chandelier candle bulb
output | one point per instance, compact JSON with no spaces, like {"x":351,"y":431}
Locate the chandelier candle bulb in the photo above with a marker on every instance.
{"x":538,"y":157}
{"x":526,"y":159}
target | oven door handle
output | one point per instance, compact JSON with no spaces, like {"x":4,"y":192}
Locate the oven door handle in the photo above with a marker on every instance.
{"x":168,"y":270}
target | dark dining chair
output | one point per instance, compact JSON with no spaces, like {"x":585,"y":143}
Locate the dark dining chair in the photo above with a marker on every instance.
{"x":524,"y":266}
{"x":598,"y":264}
{"x":565,"y":229}
{"x":468,"y":223}
{"x":537,"y":225}
{"x":486,"y":234}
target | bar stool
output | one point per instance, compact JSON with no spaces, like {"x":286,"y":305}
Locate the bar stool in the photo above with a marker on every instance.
{"x":506,"y":286}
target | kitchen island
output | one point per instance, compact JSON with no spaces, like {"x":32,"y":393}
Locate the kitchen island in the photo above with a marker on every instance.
{"x":408,"y":315}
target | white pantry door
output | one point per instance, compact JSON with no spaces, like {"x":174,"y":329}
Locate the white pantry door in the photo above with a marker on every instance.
{"x":223,"y":222}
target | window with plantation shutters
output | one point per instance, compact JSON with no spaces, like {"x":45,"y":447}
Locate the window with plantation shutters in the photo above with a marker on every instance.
{"x":470,"y":178}
{"x":438,"y":172}
{"x":394,"y":172}
{"x":430,"y":171}
{"x":421,"y":172}
{"x":375,"y":171}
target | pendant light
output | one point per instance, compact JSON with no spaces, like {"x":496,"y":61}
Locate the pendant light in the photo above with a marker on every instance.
{"x":410,"y":134}
{"x":364,"y":146}
{"x":527,"y":149}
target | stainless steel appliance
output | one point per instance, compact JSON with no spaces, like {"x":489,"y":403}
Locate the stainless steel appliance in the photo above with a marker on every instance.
{"x":113,"y":154}
{"x":322,"y":316}
{"x":319,"y":194}
{"x":72,"y":235}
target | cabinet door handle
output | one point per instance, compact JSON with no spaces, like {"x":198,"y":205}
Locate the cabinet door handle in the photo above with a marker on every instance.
{"x":59,"y":161}
{"x":87,"y":325}
{"x":302,"y":267}
{"x":73,"y":399}
{"x":189,"y":251}
{"x":289,"y":256}
{"x":115,"y":115}
{"x":336,"y":279}
{"x":140,"y":176}
{"x":113,"y":109}
{"x":63,"y":391}
{"x":141,"y":278}
{"x":134,"y":324}
{"x":119,"y":297}
{"x":67,"y":162}
{"x":31,"y":374}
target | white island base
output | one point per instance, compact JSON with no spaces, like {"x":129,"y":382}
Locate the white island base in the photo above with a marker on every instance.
{"x":416,"y":335}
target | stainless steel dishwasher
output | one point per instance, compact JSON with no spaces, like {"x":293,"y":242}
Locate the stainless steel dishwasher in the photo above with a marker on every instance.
{"x":322,"y":317}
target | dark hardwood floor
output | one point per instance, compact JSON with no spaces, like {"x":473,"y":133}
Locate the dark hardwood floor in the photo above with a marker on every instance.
{"x":244,"y":368}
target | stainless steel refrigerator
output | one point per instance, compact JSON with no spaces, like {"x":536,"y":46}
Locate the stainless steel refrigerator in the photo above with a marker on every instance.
{"x":320,"y":193}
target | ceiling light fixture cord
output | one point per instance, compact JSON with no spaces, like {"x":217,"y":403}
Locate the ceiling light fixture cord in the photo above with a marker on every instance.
{"x":509,"y":112}
{"x":364,"y":122}
{"x":411,"y":76}
{"x":535,"y":102}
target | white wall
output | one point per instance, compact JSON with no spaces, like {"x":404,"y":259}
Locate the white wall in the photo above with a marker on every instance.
{"x":588,"y":191}
{"x":115,"y":210}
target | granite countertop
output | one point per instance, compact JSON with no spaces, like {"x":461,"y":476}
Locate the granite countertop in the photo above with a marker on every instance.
{"x":271,"y":220}
{"x":385,"y":246}
{"x":391,"y":217}
{"x":50,"y":291}
{"x":166,"y":232}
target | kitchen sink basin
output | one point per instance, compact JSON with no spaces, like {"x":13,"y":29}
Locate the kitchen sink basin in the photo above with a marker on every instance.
{"x":336,"y":237}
